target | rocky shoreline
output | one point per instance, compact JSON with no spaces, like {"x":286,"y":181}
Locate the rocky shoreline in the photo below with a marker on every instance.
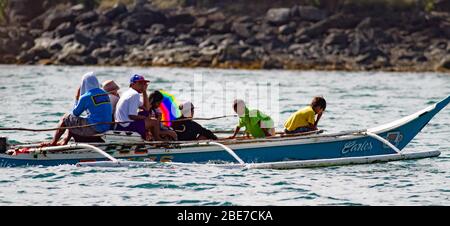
{"x":299,"y":37}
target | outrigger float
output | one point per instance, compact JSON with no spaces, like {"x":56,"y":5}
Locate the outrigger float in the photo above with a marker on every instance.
{"x":383,"y":143}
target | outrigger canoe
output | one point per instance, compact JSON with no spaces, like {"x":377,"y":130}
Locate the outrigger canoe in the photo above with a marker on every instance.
{"x":378,"y":144}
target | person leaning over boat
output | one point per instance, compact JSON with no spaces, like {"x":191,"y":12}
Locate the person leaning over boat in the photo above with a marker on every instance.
{"x":304,"y":120}
{"x":155,"y":99}
{"x":127,"y":110}
{"x":112,"y":89}
{"x":187,"y":129}
{"x":255,"y":122}
{"x":95,"y":102}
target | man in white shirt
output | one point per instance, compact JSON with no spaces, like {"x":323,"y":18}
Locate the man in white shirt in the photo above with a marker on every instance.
{"x":127,"y":109}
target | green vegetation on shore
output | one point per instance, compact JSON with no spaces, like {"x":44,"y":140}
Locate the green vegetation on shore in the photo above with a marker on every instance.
{"x":3,"y":4}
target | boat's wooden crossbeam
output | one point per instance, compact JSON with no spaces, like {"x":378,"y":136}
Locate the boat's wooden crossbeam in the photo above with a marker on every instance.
{"x":382,"y":140}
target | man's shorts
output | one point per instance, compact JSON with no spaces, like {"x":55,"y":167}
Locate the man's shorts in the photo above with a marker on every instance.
{"x":298,"y":130}
{"x":72,"y":120}
{"x":135,"y":126}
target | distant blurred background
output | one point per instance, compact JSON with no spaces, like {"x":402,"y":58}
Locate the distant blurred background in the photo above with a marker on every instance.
{"x":391,"y":35}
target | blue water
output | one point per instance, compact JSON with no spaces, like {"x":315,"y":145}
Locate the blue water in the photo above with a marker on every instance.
{"x":37,"y":96}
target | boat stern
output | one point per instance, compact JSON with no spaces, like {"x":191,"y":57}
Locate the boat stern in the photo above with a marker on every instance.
{"x":4,"y":145}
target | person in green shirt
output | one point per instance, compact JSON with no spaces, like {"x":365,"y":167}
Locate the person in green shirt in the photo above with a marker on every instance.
{"x":255,"y":122}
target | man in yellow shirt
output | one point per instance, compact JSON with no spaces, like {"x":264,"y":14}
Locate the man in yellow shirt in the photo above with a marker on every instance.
{"x":304,"y":119}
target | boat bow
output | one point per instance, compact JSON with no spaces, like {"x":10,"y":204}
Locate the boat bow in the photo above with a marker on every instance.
{"x":408,"y":127}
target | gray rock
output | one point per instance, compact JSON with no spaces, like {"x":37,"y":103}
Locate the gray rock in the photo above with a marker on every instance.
{"x":152,"y":40}
{"x":43,"y":42}
{"x":157,"y":29}
{"x":41,"y":53}
{"x":445,"y":29}
{"x":311,"y":13}
{"x":294,"y":47}
{"x":444,"y":64}
{"x":220,"y":27}
{"x":117,"y":52}
{"x":216,"y":16}
{"x":278,"y":16}
{"x":79,"y":60}
{"x":369,"y":56}
{"x":442,"y":5}
{"x":320,"y":27}
{"x":101,"y":52}
{"x":56,"y":46}
{"x":71,"y":48}
{"x":33,"y":55}
{"x":57,"y":18}
{"x":442,"y":45}
{"x":168,"y":53}
{"x":243,"y":30}
{"x":286,"y":39}
{"x":252,"y":41}
{"x":273,"y":44}
{"x":302,"y":39}
{"x":73,"y":53}
{"x":64,"y":29}
{"x":249,"y":55}
{"x":186,"y":39}
{"x":15,"y":40}
{"x":198,"y":32}
{"x":91,"y":47}
{"x":421,"y":58}
{"x":22,"y":11}
{"x":232,"y":53}
{"x":82,"y":38}
{"x":340,"y":39}
{"x":140,"y":21}
{"x":181,"y":18}
{"x":117,"y":10}
{"x":244,"y":19}
{"x":203,"y":22}
{"x":87,"y":17}
{"x":365,"y":24}
{"x":294,"y":11}
{"x":24,"y":57}
{"x":124,"y":36}
{"x":287,"y":29}
{"x":271,"y":63}
{"x":79,"y":8}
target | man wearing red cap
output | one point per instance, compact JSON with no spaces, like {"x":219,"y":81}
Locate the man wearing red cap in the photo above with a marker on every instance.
{"x":127,"y":109}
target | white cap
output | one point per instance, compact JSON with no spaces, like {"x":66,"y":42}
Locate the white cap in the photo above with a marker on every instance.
{"x":185,"y":108}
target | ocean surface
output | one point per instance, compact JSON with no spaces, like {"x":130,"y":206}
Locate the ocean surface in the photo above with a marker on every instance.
{"x":37,"y":96}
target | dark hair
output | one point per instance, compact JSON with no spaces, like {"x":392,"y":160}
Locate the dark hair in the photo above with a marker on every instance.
{"x":155,"y":97}
{"x":319,"y":102}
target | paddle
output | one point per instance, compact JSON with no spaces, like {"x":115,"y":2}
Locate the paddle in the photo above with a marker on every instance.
{"x":103,"y":123}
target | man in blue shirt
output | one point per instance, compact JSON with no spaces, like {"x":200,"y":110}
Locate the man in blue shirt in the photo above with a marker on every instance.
{"x":95,"y":102}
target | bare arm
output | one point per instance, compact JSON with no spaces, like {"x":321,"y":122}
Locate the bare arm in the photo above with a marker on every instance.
{"x":266,"y":132}
{"x":317,"y":120}
{"x":236,"y":131}
{"x":146,"y":101}
{"x":136,"y":117}
{"x":77,"y":95}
